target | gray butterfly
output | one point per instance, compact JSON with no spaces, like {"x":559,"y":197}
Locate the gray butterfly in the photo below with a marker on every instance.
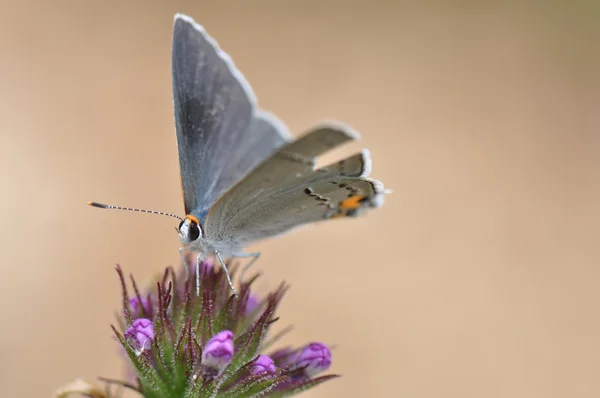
{"x":244,"y":178}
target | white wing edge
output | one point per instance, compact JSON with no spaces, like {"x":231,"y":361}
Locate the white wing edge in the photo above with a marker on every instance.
{"x":257,"y":113}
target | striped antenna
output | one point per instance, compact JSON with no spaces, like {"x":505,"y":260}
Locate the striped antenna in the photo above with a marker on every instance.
{"x":103,"y":206}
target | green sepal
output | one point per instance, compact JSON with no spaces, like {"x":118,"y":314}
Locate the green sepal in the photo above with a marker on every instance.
{"x":300,"y":386}
{"x":204,"y":326}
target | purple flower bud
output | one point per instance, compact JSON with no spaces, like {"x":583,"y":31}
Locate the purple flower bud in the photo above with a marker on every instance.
{"x":136,"y":309}
{"x":315,"y":357}
{"x":218,"y":351}
{"x":140,"y":334}
{"x":263,"y":364}
{"x":252,"y":304}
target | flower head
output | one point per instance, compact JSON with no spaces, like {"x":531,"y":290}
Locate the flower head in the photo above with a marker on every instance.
{"x":211,"y":344}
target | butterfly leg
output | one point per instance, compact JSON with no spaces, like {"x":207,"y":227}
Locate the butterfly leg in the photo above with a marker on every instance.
{"x":254,"y":256}
{"x":184,"y":260}
{"x":226,"y":273}
{"x":199,"y":259}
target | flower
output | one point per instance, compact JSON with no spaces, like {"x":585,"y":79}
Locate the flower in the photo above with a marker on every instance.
{"x":140,"y":334}
{"x":219,"y":350}
{"x":314,"y":358}
{"x":252,"y":304}
{"x":145,"y":309}
{"x":262,"y":364}
{"x":183,"y":344}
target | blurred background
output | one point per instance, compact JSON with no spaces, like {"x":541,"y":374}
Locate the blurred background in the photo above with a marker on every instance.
{"x":479,"y":276}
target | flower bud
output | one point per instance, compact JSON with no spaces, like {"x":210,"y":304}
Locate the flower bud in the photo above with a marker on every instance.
{"x":138,"y":310}
{"x":314,"y":358}
{"x":252,"y":304}
{"x":263,"y":364}
{"x":140,"y":334}
{"x":218,"y":351}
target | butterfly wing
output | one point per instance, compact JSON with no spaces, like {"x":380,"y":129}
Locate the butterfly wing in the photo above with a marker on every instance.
{"x":221,"y":135}
{"x":321,"y":200}
{"x":286,"y":191}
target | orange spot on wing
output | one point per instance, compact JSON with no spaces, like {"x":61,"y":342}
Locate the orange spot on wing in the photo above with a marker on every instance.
{"x":351,"y":203}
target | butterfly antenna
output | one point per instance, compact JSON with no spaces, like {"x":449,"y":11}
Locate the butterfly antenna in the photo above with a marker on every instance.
{"x":103,"y":206}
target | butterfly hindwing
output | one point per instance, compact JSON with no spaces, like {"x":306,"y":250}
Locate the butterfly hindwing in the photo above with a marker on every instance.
{"x":292,"y":193}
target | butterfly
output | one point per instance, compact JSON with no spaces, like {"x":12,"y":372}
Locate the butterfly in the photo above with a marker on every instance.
{"x":244,"y":177}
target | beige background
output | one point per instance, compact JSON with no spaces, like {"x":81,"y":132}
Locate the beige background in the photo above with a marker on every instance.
{"x":478,"y":278}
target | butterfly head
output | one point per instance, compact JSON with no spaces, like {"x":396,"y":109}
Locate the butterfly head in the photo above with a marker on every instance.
{"x":189,"y":230}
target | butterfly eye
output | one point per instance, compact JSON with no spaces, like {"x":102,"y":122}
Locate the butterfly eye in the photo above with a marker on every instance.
{"x":180,"y":225}
{"x":193,"y":232}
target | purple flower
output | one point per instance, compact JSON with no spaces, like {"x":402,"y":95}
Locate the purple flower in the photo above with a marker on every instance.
{"x":180,"y":329}
{"x":136,"y":309}
{"x":314,"y":358}
{"x":263,"y":364}
{"x":252,"y":304}
{"x":140,"y":334}
{"x":218,"y":350}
